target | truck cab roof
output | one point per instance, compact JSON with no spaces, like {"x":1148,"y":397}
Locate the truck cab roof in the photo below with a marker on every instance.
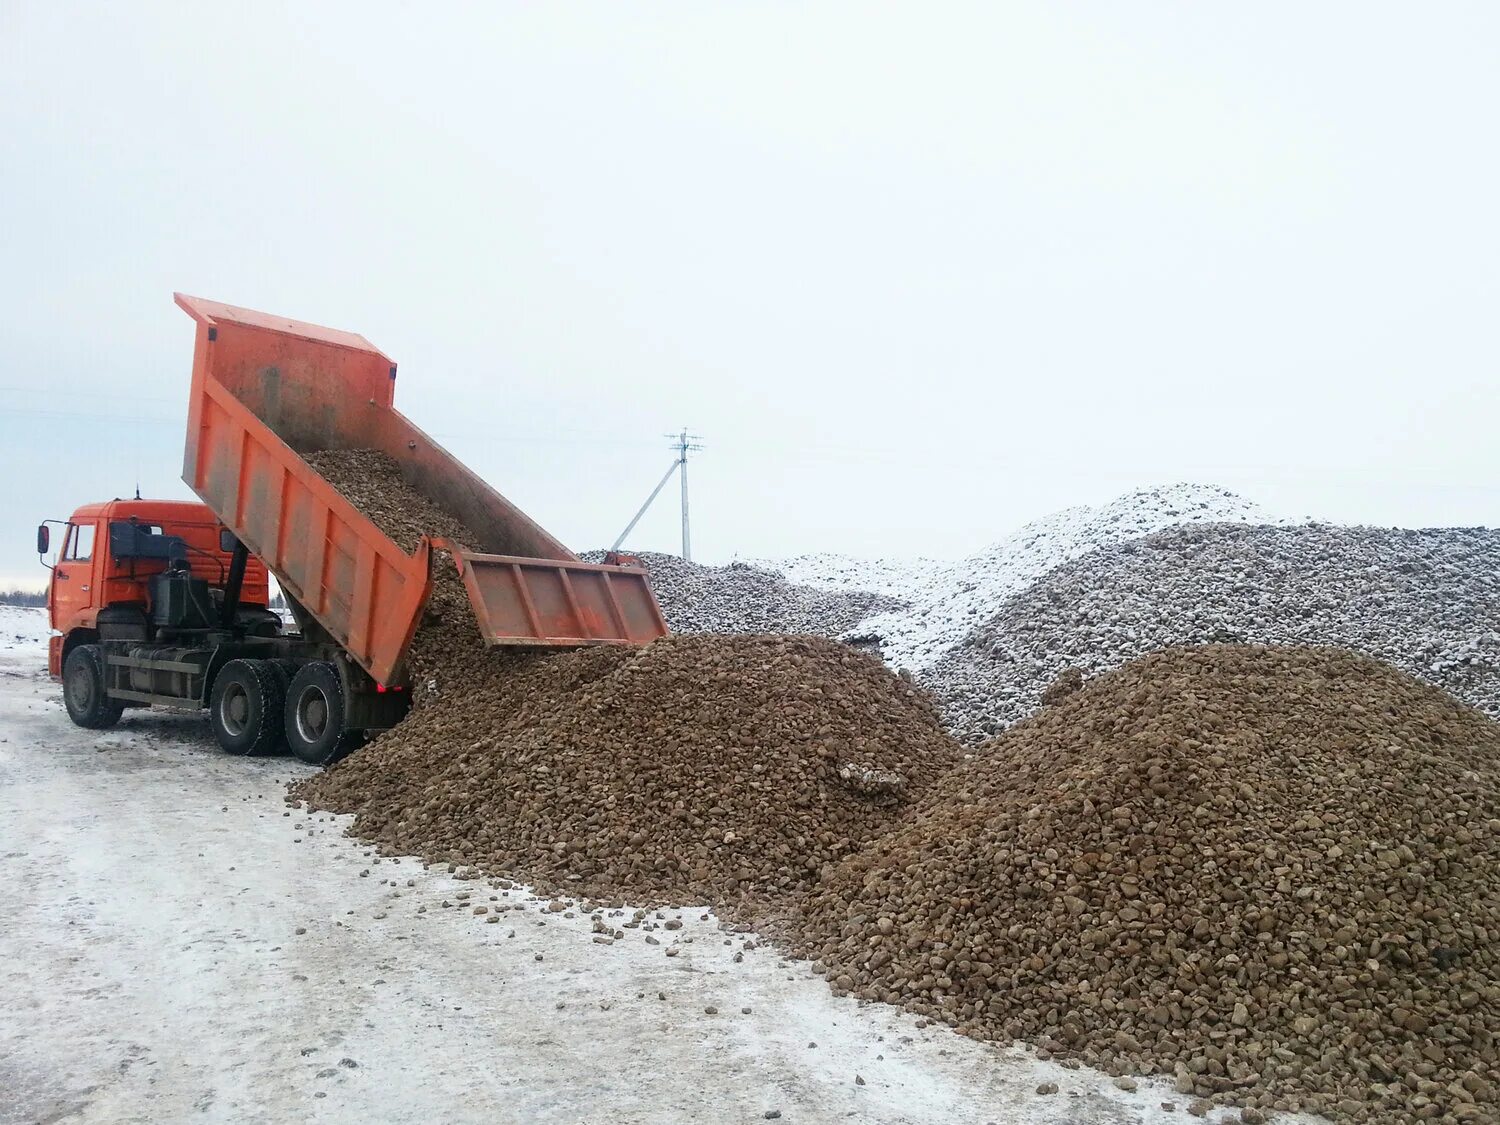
{"x":149,"y":511}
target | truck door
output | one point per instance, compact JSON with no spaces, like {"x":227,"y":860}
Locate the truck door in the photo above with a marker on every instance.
{"x":73,"y":576}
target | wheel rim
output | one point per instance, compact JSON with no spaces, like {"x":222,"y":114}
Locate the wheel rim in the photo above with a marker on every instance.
{"x":81,"y":689}
{"x":234,"y":709}
{"x":312,"y":714}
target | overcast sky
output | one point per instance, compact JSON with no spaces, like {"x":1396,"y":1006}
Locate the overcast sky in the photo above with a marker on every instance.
{"x":916,"y":273}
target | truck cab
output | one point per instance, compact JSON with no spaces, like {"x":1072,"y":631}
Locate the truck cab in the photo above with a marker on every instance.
{"x":155,"y":603}
{"x":105,"y":582}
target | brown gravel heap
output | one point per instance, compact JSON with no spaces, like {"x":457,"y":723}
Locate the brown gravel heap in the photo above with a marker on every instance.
{"x":696,"y":768}
{"x":704,"y":767}
{"x":1268,"y":873}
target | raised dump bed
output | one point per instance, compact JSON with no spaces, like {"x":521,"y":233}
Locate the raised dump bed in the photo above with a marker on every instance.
{"x":265,"y":391}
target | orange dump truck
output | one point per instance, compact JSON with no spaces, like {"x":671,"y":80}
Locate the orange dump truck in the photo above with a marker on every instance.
{"x":158,"y":603}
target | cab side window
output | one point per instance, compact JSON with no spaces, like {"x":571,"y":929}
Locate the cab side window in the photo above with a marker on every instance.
{"x":80,"y":543}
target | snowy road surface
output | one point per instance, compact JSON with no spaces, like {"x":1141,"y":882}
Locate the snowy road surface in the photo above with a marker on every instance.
{"x":175,"y":947}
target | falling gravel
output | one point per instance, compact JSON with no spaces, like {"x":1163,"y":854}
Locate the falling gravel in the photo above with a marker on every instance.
{"x":447,"y":652}
{"x":1426,"y":601}
{"x":694,"y":599}
{"x":1267,"y":874}
{"x":372,"y":482}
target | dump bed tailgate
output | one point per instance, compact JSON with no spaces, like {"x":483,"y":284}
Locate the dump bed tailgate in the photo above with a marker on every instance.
{"x":520,"y":601}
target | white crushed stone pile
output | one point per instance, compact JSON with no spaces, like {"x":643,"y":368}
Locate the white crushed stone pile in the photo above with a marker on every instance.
{"x":741,"y":598}
{"x":1427,"y":601}
{"x":948,"y":599}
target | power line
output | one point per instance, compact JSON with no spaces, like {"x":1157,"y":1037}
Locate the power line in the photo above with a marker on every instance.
{"x":87,"y":417}
{"x":584,"y":438}
{"x":20,"y":388}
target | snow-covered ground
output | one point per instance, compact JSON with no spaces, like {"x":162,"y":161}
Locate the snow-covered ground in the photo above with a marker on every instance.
{"x":948,"y":599}
{"x":176,"y":944}
{"x":23,"y":637}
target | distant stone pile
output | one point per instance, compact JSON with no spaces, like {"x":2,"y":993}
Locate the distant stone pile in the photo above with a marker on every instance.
{"x":949,"y":599}
{"x":1426,"y":601}
{"x":743,"y":598}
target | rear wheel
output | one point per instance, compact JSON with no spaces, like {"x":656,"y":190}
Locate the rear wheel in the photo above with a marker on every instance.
{"x":315,"y":715}
{"x":286,"y":668}
{"x":83,"y":690}
{"x":245,"y":707}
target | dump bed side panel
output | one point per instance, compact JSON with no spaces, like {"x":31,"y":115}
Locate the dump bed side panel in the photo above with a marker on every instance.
{"x":363,"y":589}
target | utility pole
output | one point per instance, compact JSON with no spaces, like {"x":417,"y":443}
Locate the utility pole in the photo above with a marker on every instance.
{"x":682,"y":452}
{"x":682,"y":444}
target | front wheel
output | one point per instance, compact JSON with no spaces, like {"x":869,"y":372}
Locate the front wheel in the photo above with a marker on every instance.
{"x":315,"y":715}
{"x":245,"y":707}
{"x":83,"y":690}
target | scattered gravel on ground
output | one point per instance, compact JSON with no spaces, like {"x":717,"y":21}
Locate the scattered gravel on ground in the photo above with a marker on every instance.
{"x":1267,"y":874}
{"x":114,"y":848}
{"x":1426,"y":601}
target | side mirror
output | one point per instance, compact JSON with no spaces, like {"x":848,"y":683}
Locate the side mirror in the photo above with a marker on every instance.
{"x":43,"y":539}
{"x":227,"y":541}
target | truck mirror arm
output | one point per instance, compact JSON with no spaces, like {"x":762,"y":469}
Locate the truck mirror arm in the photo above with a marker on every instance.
{"x":44,"y":541}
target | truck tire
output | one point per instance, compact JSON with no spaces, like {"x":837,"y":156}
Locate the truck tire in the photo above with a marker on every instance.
{"x":83,"y":690}
{"x":286,"y":668}
{"x":315,"y":714}
{"x":245,"y":707}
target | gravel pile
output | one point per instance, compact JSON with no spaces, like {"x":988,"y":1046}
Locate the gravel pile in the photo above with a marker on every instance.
{"x":1426,"y":601}
{"x":1268,"y":874}
{"x":741,"y":598}
{"x":698,"y":768}
{"x":948,"y":599}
